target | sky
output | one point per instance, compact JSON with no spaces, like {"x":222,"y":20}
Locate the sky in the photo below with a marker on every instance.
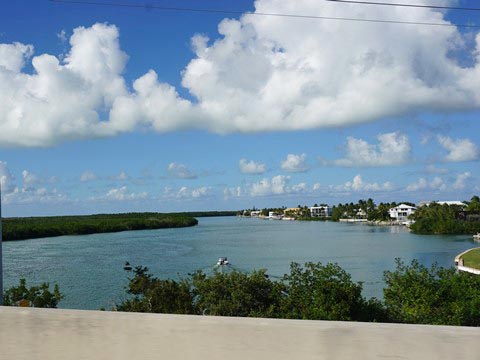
{"x":115,"y":109}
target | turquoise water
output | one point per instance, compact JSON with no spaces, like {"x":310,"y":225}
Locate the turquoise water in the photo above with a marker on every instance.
{"x":89,"y":269}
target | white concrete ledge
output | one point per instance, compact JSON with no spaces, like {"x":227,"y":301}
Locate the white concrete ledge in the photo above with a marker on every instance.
{"x":468,"y":269}
{"x":460,"y":264}
{"x":73,"y":334}
{"x":459,"y":256}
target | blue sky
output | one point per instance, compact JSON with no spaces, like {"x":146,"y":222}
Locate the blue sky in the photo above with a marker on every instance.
{"x":266,"y":112}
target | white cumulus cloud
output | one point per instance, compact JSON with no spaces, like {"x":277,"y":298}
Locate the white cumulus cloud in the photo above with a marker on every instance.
{"x":187,"y":193}
{"x":459,"y":149}
{"x":33,"y":195}
{"x":61,"y":100}
{"x":232,"y":192}
{"x":436,"y":184}
{"x":421,"y":184}
{"x":392,"y":149}
{"x":29,"y":178}
{"x":432,"y":169}
{"x":6,"y":178}
{"x":62,"y":36}
{"x":29,"y":191}
{"x":88,"y":176}
{"x":295,"y":163}
{"x":299,"y":188}
{"x":293,"y":75}
{"x":13,"y":56}
{"x":461,"y":180}
{"x":122,"y":176}
{"x":122,"y":194}
{"x":180,"y":171}
{"x":357,"y":185}
{"x":201,"y":192}
{"x":251,"y":167}
{"x":277,"y":185}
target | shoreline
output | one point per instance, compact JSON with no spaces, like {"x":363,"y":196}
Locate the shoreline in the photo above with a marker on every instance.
{"x":328,"y":219}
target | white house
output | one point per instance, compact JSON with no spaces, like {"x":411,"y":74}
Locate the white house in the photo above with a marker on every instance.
{"x":320,"y":211}
{"x":361,"y":214}
{"x":274,"y":215}
{"x":255,"y":213}
{"x":401,"y":212}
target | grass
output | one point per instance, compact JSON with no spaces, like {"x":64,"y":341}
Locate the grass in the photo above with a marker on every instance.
{"x":472,"y":258}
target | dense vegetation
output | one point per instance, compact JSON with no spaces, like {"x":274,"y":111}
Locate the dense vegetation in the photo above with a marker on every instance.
{"x":36,"y":296}
{"x":419,"y":295}
{"x":208,"y":213}
{"x":263,"y":212}
{"x":446,"y":219}
{"x":313,"y":218}
{"x":311,"y":292}
{"x":413,"y":294}
{"x":39,"y":227}
{"x":365,"y":209}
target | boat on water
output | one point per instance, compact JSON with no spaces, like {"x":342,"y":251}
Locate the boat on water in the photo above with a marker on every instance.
{"x":476,"y":237}
{"x":222,"y":261}
{"x":127,"y":266}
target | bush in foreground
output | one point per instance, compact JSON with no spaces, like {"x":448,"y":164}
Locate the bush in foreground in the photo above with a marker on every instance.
{"x":153,"y":295}
{"x":416,"y":294}
{"x":413,"y":294}
{"x":35,"y":296}
{"x":312,"y":292}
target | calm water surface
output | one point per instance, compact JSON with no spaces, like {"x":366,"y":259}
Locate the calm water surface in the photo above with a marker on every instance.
{"x":89,"y":269}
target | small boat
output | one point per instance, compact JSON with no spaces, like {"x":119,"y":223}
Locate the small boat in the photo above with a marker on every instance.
{"x":222,"y":261}
{"x":127,"y":266}
{"x":476,"y":237}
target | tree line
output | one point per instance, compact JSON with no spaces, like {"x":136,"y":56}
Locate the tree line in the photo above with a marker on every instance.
{"x":39,"y":227}
{"x":208,"y":213}
{"x":447,"y":219}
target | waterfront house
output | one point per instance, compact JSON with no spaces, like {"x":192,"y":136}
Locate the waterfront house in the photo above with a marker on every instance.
{"x":361,"y":214}
{"x":255,"y":213}
{"x":321,"y":211}
{"x":274,"y":215}
{"x":401,"y":212}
